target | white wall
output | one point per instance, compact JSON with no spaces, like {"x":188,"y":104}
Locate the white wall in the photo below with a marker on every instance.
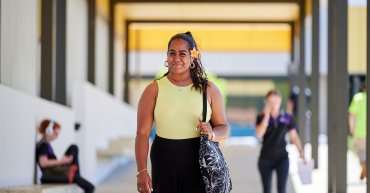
{"x":224,"y":63}
{"x":102,"y":117}
{"x":76,"y":44}
{"x":101,"y":50}
{"x":20,"y":114}
{"x":18,"y":47}
{"x":118,"y":68}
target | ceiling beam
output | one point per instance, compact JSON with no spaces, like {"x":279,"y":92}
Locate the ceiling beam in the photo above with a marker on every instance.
{"x":209,"y":1}
{"x":128,"y":22}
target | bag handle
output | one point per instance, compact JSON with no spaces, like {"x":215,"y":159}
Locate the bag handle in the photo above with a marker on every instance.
{"x":204,"y":117}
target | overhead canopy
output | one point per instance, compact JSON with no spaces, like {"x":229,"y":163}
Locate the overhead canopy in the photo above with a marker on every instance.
{"x":210,"y":11}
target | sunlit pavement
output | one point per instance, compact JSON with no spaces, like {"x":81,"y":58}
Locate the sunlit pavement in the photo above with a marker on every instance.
{"x":320,"y":175}
{"x":241,"y":154}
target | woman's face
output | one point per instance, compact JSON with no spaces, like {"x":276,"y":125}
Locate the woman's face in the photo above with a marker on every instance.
{"x":274,"y":102}
{"x":178,"y":56}
{"x":54,"y":135}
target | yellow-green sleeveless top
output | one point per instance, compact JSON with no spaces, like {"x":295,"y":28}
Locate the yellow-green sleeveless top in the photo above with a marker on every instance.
{"x":178,"y":110}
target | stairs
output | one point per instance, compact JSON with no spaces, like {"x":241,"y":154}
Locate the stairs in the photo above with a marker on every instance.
{"x":119,"y":152}
{"x":118,"y":147}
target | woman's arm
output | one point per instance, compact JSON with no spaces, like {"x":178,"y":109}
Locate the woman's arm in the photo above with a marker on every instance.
{"x":44,"y":161}
{"x":145,"y":117}
{"x":218,"y":117}
{"x":297,"y":142}
{"x":262,"y":126}
{"x":351,"y":122}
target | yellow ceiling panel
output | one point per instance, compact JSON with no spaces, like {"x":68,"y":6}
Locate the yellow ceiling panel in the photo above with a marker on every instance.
{"x":211,"y":11}
{"x":357,"y":40}
{"x":216,"y":39}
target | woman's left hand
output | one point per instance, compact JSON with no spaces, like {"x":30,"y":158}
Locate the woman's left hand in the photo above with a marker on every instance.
{"x":302,"y":156}
{"x":205,"y":128}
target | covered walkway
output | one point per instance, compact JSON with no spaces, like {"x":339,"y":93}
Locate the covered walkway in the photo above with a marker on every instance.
{"x":84,"y":63}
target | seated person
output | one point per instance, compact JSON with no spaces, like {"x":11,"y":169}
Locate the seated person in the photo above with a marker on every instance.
{"x":47,"y":160}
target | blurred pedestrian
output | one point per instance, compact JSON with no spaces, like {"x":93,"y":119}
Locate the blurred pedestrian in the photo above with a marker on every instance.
{"x":272,"y":126}
{"x":357,"y":127}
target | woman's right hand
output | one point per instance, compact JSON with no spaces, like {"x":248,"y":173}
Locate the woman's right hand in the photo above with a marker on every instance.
{"x":144,"y":183}
{"x":267,"y":110}
{"x":67,"y":159}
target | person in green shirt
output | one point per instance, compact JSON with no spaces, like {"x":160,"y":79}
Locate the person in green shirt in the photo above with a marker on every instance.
{"x":357,"y":127}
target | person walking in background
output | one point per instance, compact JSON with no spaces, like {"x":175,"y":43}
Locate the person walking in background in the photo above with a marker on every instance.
{"x":292,"y":103}
{"x":357,"y":127}
{"x":272,"y":125}
{"x":53,"y":168}
{"x":174,"y":102}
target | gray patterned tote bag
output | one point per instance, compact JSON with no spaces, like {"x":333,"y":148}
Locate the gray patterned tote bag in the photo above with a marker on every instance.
{"x":215,"y":173}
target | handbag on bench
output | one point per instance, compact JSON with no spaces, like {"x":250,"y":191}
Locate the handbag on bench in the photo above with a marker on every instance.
{"x":59,"y":174}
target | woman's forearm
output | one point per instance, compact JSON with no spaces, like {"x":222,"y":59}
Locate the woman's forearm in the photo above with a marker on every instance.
{"x":351,"y":123}
{"x":141,"y":151}
{"x":221,"y":132}
{"x":45,"y":162}
{"x":262,"y":126}
{"x":299,"y":146}
{"x":260,"y":130}
{"x":297,"y":142}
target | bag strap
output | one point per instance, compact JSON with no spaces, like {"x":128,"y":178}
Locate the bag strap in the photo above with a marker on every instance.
{"x":204,"y":118}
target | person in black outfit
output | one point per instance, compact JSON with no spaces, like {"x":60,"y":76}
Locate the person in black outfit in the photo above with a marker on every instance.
{"x":272,"y":125}
{"x":46,"y":158}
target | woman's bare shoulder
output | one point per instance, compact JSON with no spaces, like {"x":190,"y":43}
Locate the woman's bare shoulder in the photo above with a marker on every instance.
{"x":212,"y":89}
{"x":151,"y":90}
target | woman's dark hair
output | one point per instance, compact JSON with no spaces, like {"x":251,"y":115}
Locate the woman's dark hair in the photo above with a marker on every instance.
{"x":198,"y":76}
{"x":272,"y":92}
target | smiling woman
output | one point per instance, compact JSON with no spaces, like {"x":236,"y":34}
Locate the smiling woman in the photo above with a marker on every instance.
{"x":174,"y":102}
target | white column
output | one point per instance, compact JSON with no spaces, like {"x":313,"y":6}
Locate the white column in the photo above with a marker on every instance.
{"x":19,"y":49}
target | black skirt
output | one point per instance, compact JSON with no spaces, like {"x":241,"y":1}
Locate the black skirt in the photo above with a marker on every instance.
{"x":175,"y":166}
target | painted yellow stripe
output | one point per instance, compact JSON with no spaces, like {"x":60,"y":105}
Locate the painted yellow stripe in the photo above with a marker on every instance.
{"x":102,"y":8}
{"x":215,"y":40}
{"x":249,"y":87}
{"x":357,"y":40}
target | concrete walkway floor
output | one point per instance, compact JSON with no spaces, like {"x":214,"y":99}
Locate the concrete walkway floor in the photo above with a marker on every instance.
{"x":241,"y":159}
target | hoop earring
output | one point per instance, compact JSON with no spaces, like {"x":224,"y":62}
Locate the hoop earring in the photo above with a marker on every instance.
{"x":166,"y":63}
{"x":192,"y":65}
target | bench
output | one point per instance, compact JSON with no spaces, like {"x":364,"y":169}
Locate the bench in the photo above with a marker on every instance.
{"x":52,"y":188}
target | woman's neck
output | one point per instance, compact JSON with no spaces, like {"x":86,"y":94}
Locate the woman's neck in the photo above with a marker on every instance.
{"x":46,"y":139}
{"x":180,"y":80}
{"x":275,"y":113}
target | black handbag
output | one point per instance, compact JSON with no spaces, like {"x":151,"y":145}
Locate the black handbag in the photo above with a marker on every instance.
{"x":215,"y":173}
{"x":59,"y":174}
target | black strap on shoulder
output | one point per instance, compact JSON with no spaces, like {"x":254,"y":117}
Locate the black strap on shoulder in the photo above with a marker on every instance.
{"x":204,"y":118}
